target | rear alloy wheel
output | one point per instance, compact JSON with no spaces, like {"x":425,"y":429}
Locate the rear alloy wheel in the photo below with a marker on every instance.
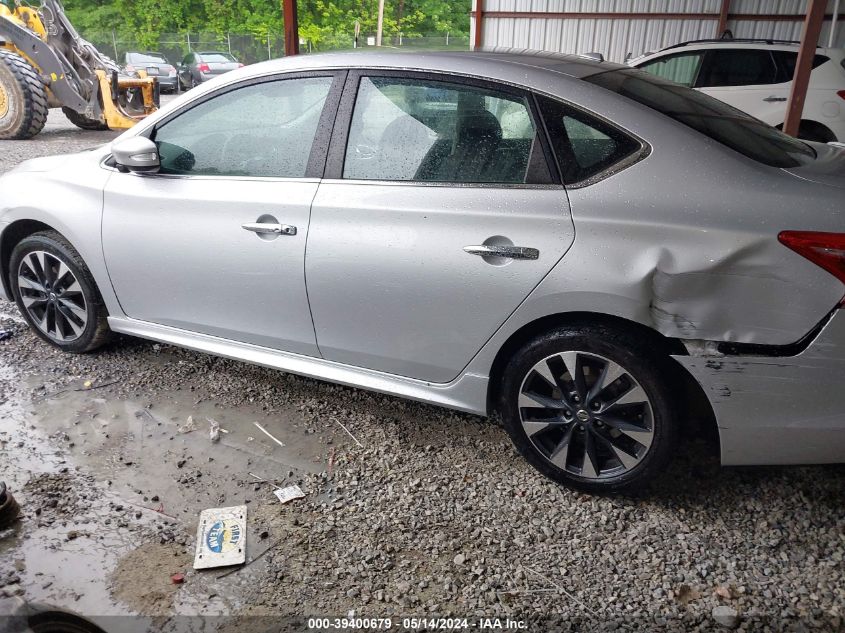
{"x":56,"y":294}
{"x":589,"y":409}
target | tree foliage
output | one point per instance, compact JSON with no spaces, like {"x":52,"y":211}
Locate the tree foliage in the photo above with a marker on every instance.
{"x":324,"y":23}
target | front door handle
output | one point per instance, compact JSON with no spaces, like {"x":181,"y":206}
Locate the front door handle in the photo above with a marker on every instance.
{"x":269,"y":228}
{"x":772,"y":99}
{"x":509,"y":252}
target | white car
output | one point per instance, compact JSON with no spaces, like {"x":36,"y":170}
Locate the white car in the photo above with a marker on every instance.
{"x":755,"y":76}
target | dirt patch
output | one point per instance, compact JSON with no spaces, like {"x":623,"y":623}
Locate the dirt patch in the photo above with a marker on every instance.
{"x":142,"y":580}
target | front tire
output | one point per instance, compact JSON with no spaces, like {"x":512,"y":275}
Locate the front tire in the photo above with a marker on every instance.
{"x":56,"y":293}
{"x":23,"y":98}
{"x":591,"y":408}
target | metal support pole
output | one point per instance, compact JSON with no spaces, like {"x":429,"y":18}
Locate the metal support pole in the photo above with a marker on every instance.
{"x":723,"y":17}
{"x":114,"y":43}
{"x":479,"y":17}
{"x":229,"y":42}
{"x":188,"y":35}
{"x":291,"y":28}
{"x":807,"y":51}
{"x":833,"y":20}
{"x":380,"y":24}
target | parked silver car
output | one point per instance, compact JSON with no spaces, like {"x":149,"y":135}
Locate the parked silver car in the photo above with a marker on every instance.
{"x":584,"y":248}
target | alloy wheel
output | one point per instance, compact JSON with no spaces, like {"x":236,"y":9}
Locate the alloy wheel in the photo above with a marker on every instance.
{"x":586,"y":414}
{"x":52,"y":296}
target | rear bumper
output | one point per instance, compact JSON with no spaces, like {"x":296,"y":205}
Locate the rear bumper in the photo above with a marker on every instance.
{"x":779,"y":410}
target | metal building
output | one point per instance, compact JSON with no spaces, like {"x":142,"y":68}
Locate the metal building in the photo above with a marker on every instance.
{"x":616,"y":28}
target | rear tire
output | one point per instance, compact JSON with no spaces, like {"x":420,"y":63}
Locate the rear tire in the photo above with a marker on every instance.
{"x":83,"y":122}
{"x":56,"y":293}
{"x":23,"y":98}
{"x":621,"y":413}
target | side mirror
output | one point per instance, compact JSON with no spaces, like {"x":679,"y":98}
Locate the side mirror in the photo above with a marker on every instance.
{"x":136,"y":154}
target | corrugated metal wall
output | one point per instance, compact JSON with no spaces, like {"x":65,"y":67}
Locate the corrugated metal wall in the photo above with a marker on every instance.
{"x":615,"y":38}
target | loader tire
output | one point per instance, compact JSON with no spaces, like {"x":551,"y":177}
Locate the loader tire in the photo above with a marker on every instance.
{"x":83,"y":122}
{"x":23,"y":98}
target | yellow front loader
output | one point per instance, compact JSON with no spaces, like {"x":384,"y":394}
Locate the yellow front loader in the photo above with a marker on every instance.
{"x":44,"y":64}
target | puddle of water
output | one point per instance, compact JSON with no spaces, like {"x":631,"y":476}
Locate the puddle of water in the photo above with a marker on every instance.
{"x":138,"y":459}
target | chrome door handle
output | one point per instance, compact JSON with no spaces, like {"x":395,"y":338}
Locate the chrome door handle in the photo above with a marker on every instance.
{"x":773,"y":99}
{"x":267,"y":227}
{"x":510,"y":252}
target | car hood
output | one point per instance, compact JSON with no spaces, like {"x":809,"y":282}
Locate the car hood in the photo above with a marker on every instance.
{"x":49,"y":163}
{"x":828,"y":168}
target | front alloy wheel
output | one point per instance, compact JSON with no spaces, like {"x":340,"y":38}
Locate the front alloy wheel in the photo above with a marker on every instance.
{"x":591,"y":407}
{"x":56,"y":293}
{"x":52,"y":296}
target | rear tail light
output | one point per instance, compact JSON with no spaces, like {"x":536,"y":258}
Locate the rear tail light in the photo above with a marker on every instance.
{"x":823,"y":249}
{"x":203,"y":68}
{"x":841,"y":93}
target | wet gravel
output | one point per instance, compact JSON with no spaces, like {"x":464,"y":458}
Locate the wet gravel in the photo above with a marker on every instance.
{"x":436,"y":514}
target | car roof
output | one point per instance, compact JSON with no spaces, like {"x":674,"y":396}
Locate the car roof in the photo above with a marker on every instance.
{"x":491,"y":63}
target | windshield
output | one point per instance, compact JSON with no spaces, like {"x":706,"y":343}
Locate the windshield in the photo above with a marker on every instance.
{"x":216,"y":57}
{"x":147,"y":58}
{"x":707,"y":115}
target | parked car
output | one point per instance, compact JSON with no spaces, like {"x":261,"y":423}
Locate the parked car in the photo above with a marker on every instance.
{"x":155,"y":65}
{"x":199,"y":67}
{"x":586,"y":249}
{"x":756,"y":77}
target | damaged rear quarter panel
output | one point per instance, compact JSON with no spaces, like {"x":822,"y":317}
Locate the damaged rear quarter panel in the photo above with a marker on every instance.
{"x":689,"y":247}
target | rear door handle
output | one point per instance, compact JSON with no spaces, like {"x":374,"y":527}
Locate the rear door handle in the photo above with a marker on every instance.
{"x":773,"y":99}
{"x":509,"y":252}
{"x":269,"y":227}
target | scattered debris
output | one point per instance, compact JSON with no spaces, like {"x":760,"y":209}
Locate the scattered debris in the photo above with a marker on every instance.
{"x":5,"y":334}
{"x":221,"y":537}
{"x":214,"y":431}
{"x":267,"y":433}
{"x":723,"y":592}
{"x":289,"y":493}
{"x":177,"y":579}
{"x":188,"y":426}
{"x":348,"y":432}
{"x":89,"y":387}
{"x":9,"y":509}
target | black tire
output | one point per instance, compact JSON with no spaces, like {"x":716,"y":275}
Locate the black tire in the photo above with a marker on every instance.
{"x":812,"y":131}
{"x":640,"y":360}
{"x":23,"y":98}
{"x":96,"y":329}
{"x":83,"y":122}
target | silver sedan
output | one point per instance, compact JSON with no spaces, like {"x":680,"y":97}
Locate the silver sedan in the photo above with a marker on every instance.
{"x":591,"y":252}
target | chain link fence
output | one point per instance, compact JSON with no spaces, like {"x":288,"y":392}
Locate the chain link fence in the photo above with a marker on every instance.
{"x":249,"y":48}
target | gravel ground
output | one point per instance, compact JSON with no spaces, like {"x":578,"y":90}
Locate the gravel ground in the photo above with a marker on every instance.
{"x":432,"y":514}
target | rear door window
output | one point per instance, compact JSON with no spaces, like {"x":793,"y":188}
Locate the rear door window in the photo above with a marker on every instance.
{"x":426,"y":130}
{"x":682,"y":68}
{"x":786,"y":60}
{"x":737,"y":67}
